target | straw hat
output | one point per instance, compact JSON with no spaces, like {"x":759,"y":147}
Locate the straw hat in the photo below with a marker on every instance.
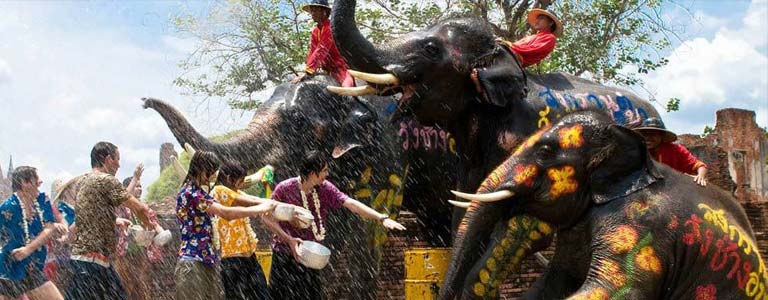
{"x":655,"y":124}
{"x":536,"y":12}
{"x":61,"y":185}
{"x":317,"y":3}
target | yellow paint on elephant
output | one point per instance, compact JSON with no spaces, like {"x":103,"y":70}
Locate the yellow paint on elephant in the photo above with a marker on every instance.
{"x":647,"y":260}
{"x":622,"y":239}
{"x":545,"y":228}
{"x":520,"y":252}
{"x":593,"y":294}
{"x":715,"y":216}
{"x":543,"y":120}
{"x":479,"y":289}
{"x":395,"y":181}
{"x":571,"y":137}
{"x":562,"y":181}
{"x":364,"y":193}
{"x":531,"y":140}
{"x":498,"y":251}
{"x":610,"y":271}
{"x":491,"y":264}
{"x":525,"y":174}
{"x":365,"y":178}
{"x":484,"y":275}
{"x":495,"y":179}
{"x":526,"y":221}
{"x":534,"y":235}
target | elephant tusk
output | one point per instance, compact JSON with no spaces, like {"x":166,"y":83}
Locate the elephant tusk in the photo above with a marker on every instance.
{"x":460,"y":204}
{"x":189,"y":149}
{"x":353,"y":91}
{"x":491,"y":197}
{"x":180,"y":170}
{"x":375,"y":78}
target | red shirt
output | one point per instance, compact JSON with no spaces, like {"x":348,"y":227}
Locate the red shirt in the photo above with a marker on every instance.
{"x":323,"y":53}
{"x":677,"y":157}
{"x":534,"y":48}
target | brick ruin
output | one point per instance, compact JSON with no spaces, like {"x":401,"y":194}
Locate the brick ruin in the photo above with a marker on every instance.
{"x":736,"y":153}
{"x":5,"y":181}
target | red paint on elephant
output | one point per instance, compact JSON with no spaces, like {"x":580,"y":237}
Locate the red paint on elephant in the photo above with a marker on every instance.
{"x":707,"y":292}
{"x":525,"y":174}
{"x":571,"y":137}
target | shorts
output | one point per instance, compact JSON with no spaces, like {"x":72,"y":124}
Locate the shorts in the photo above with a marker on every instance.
{"x":197,"y":281}
{"x":14,"y":289}
{"x":92,"y":281}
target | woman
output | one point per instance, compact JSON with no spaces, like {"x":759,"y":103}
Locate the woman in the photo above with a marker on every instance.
{"x":241,"y":273}
{"x":289,"y":279}
{"x":195,"y":273}
{"x":26,"y":224}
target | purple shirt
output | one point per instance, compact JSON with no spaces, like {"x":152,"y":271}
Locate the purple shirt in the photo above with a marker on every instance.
{"x":288,"y":191}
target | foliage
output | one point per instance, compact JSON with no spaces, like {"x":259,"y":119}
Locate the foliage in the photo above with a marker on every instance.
{"x":169,"y":181}
{"x":707,"y":131}
{"x":245,"y":46}
{"x":673,"y":104}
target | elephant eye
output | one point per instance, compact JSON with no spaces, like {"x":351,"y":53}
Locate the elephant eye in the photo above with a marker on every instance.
{"x":431,"y":49}
{"x":544,"y":153}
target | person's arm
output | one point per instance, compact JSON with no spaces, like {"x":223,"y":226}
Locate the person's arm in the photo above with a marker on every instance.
{"x":275,"y":228}
{"x":243,"y":199}
{"x":40,"y":240}
{"x":319,"y":57}
{"x":688,"y":163}
{"x":136,"y":178}
{"x":237,"y":212}
{"x":701,"y":176}
{"x":142,"y":212}
{"x":365,"y":211}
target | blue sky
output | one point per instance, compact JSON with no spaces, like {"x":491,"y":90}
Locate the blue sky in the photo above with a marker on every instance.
{"x":72,"y":73}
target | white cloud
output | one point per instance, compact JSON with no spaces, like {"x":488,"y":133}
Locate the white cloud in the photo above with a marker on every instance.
{"x":76,"y":84}
{"x":728,"y":70}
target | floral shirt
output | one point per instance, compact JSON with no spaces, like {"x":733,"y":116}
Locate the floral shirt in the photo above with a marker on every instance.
{"x":235,"y":236}
{"x":196,"y":225}
{"x":13,"y":235}
{"x":97,"y":197}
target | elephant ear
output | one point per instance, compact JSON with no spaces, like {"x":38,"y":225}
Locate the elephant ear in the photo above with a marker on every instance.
{"x":621,"y":166}
{"x":502,"y":79}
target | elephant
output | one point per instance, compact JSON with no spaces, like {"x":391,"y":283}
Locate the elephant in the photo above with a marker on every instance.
{"x":628,"y":227}
{"x":370,"y":162}
{"x":431,"y":69}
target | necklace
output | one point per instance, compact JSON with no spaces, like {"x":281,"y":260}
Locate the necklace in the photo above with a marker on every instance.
{"x":25,"y":224}
{"x":319,"y":234}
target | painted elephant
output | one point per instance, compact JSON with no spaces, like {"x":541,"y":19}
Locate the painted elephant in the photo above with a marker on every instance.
{"x":371,"y":162}
{"x":627,"y":227}
{"x":431,"y":70}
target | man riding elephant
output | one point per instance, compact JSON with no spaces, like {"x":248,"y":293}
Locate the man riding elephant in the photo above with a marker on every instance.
{"x":628,"y":227}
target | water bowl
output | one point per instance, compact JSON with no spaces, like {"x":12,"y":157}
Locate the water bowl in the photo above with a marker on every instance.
{"x":314,"y":255}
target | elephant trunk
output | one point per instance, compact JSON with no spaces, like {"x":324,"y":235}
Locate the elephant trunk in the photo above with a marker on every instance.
{"x":359,"y":53}
{"x":242,"y":148}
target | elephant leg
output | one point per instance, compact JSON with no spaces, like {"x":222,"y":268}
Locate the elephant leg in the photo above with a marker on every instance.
{"x":511,"y":242}
{"x":555,"y":283}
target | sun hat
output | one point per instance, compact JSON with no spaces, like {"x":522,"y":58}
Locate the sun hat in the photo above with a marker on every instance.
{"x":536,"y":12}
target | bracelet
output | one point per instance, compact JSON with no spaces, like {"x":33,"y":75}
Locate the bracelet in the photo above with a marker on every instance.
{"x":383,"y":217}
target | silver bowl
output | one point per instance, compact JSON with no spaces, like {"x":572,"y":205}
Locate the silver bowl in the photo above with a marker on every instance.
{"x":313,"y":255}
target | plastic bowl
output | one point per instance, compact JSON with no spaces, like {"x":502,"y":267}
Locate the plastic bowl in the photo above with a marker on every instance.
{"x":305,"y":218}
{"x":163,"y":238}
{"x":284,"y":212}
{"x":141,"y":236}
{"x":314,"y":255}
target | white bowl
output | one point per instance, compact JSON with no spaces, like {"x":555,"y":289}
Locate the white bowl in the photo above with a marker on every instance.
{"x":313,"y":255}
{"x":163,"y":238}
{"x":141,"y":236}
{"x":284,"y":212}
{"x":305,"y":218}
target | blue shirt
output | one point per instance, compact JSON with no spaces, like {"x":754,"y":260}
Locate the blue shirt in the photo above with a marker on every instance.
{"x":12,"y":235}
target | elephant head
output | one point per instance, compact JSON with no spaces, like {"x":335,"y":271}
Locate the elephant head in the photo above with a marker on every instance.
{"x":556,"y":175}
{"x":431,"y":68}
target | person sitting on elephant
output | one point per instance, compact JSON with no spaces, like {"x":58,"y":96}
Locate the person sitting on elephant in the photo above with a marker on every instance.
{"x":532,"y":49}
{"x":323,"y":53}
{"x":241,"y":274}
{"x":322,"y":199}
{"x":660,"y":142}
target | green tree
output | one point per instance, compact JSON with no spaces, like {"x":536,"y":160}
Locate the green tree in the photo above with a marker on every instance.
{"x":248,"y":45}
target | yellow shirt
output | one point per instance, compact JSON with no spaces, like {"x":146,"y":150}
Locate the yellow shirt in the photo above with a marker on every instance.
{"x":235,"y":237}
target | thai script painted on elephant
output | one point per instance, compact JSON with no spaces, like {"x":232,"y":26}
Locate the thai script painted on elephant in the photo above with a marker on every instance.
{"x":562,"y":181}
{"x":428,"y":138}
{"x":725,"y":248}
{"x":620,"y":108}
{"x":571,"y":137}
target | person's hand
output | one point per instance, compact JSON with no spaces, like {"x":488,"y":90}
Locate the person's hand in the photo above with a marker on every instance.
{"x":294,"y":243}
{"x":20,"y":254}
{"x":60,"y":229}
{"x":392,"y":224}
{"x":123,"y":223}
{"x":300,"y":78}
{"x":138,"y":171}
{"x":701,"y":177}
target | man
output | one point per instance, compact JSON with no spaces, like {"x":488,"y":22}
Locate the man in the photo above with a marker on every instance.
{"x":322,"y":50}
{"x":660,"y":144}
{"x":289,"y":279}
{"x":26,"y":224}
{"x":94,"y":244}
{"x":532,"y":49}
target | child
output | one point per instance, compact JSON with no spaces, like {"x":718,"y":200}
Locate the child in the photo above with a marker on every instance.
{"x":241,"y":274}
{"x":195,"y":273}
